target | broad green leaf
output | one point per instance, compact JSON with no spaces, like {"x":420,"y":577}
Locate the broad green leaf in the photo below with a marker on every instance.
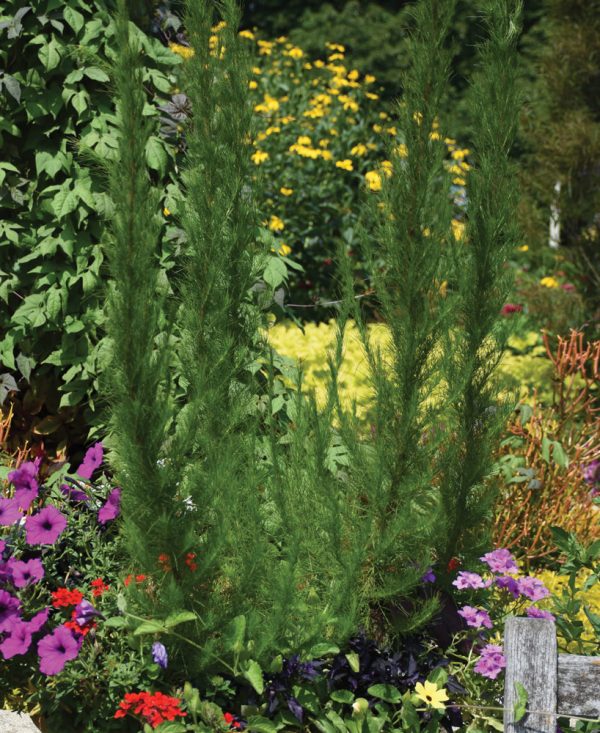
{"x":170,"y":726}
{"x":275,"y":272}
{"x":388,"y":693}
{"x":234,"y":634}
{"x":49,"y":55}
{"x":253,"y":673}
{"x":150,"y":627}
{"x":74,"y":18}
{"x":344,"y":696}
{"x":156,"y":155}
{"x":261,"y":725}
{"x":25,"y":364}
{"x":64,"y":202}
{"x":54,"y":303}
{"x":353,"y":661}
{"x":80,"y":101}
{"x":324,"y":650}
{"x":521,"y":703}
{"x":115,"y":622}
{"x":179,"y":617}
{"x":95,"y":73}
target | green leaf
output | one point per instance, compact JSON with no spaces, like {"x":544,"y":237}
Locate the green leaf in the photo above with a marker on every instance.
{"x":150,"y":627}
{"x":74,"y":18}
{"x":353,"y":661}
{"x":115,"y":622}
{"x":54,"y":303}
{"x":49,"y":55}
{"x":261,"y":725}
{"x":344,"y":696}
{"x":388,"y":693}
{"x":80,"y":101}
{"x":156,"y":155}
{"x":233,"y":636}
{"x":179,"y":617}
{"x":64,"y":202}
{"x":170,"y":726}
{"x":521,"y":703}
{"x":253,"y":673}
{"x":275,"y":272}
{"x":95,"y":73}
{"x":25,"y":364}
{"x":323,"y":650}
{"x":409,"y":716}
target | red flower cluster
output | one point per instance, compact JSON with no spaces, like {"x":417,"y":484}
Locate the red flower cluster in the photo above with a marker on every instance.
{"x":99,"y":587}
{"x":509,"y":308}
{"x":230,"y":720}
{"x":63,"y":597}
{"x":138,"y":579}
{"x":189,"y":561}
{"x":164,"y":561}
{"x":74,"y":626}
{"x":155,"y":707}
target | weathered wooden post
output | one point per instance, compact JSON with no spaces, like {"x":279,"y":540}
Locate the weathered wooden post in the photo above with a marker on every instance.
{"x":558,"y":685}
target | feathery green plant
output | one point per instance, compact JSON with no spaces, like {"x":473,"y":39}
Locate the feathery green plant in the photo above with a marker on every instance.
{"x":477,"y":415}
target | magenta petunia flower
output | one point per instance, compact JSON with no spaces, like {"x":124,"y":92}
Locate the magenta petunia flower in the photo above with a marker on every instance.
{"x":45,"y":527}
{"x":56,"y":649}
{"x":24,"y":479}
{"x":91,"y":461}
{"x":9,"y":610}
{"x":491,"y":662}
{"x":17,"y":641}
{"x":73,"y":493}
{"x":510,"y":584}
{"x":27,"y":572}
{"x":9,"y":512}
{"x":532,"y":588}
{"x":534,"y":612}
{"x":500,"y":561}
{"x":476,"y":617}
{"x":466,"y":579}
{"x":110,"y":510}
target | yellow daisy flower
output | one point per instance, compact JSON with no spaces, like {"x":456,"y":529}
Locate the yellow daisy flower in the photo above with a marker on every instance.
{"x":345,"y":165}
{"x":431,"y":695}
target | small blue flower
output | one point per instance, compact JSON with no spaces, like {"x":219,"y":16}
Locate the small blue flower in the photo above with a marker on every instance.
{"x":159,"y":654}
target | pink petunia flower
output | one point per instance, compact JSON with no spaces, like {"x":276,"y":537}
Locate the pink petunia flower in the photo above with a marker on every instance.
{"x":111,"y":508}
{"x":17,"y":641}
{"x":534,"y":612}
{"x":476,"y":617}
{"x":24,"y":479}
{"x":500,"y":561}
{"x":491,"y":662}
{"x":91,"y":461}
{"x":9,"y":512}
{"x":466,"y":579}
{"x":10,"y":608}
{"x":532,"y":588}
{"x":26,"y":572}
{"x":508,"y":583}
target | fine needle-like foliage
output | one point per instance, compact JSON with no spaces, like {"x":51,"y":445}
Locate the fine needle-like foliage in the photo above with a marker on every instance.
{"x":478,"y":269}
{"x":393,"y":473}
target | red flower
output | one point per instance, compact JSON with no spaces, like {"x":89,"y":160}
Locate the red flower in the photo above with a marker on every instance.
{"x":230,"y":720}
{"x":138,"y":579}
{"x":453,"y":564}
{"x":509,"y":308}
{"x":189,"y":561}
{"x":74,"y":626}
{"x":155,"y":707}
{"x":99,"y":587}
{"x":63,"y":597}
{"x":164,"y":562}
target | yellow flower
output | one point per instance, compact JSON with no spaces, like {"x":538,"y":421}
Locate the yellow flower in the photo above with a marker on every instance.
{"x":335,"y":47}
{"x":286,"y":191}
{"x":272,"y":130}
{"x":401,"y":150}
{"x":460,"y":154}
{"x":369,"y":78}
{"x":348,"y":103}
{"x":377,"y":128}
{"x":276,"y":224}
{"x":324,"y":142}
{"x":314,"y":113}
{"x":252,"y":84}
{"x":219,"y":27}
{"x":370,"y":95}
{"x":524,"y":248}
{"x":259,"y":157}
{"x":431,"y":695}
{"x":434,"y":136}
{"x":353,"y":75}
{"x":459,"y":182}
{"x":318,"y":64}
{"x":450,"y":141}
{"x":284,"y":249}
{"x":304,"y":140}
{"x":373,"y":180}
{"x":307,"y":66}
{"x":265,"y":48}
{"x":391,"y":130}
{"x":387,"y":167}
{"x":295,"y":53}
{"x":246,"y":34}
{"x":184,"y":51}
{"x":326,"y":154}
{"x":549,"y":282}
{"x":268,"y":105}
{"x":458,"y":229}
{"x":166,"y":212}
{"x":359,"y":149}
{"x":256,"y":70}
{"x":286,"y":120}
{"x":335,"y":57}
{"x":418,"y":117}
{"x":456,"y":170}
{"x":345,"y":165}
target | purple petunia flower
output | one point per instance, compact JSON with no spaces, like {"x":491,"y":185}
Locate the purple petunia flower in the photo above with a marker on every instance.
{"x":591,"y":473}
{"x":9,"y":609}
{"x":24,"y":479}
{"x":508,"y":583}
{"x":17,"y":641}
{"x":465,"y":579}
{"x":159,"y":654}
{"x":45,"y":527}
{"x":73,"y":493}
{"x":532,"y":588}
{"x":534,"y":612}
{"x":110,"y":510}
{"x":26,"y":572}
{"x":429,"y":576}
{"x":36,"y":622}
{"x":500,"y":561}
{"x":9,"y":512}
{"x":56,"y":649}
{"x":491,"y":662}
{"x":91,"y":461}
{"x":476,"y":617}
{"x":85,"y":612}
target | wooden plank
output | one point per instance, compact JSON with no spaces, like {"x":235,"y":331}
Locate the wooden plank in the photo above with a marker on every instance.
{"x":578,"y":685}
{"x":532,"y":660}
